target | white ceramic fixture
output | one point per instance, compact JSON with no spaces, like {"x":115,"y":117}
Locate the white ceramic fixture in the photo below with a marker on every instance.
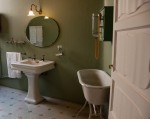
{"x":32,"y":69}
{"x":96,"y":87}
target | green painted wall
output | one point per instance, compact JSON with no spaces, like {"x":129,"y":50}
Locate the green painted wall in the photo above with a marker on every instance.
{"x":74,"y":19}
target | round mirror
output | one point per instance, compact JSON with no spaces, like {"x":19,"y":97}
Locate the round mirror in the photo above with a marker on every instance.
{"x":42,"y":32}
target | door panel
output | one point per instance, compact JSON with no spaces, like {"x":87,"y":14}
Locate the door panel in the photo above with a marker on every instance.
{"x":130,"y":94}
{"x":127,"y":98}
{"x":133,"y":55}
{"x":129,"y":8}
{"x":128,"y":110}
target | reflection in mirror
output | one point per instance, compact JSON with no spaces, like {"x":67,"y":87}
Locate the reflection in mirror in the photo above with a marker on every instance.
{"x":42,"y":32}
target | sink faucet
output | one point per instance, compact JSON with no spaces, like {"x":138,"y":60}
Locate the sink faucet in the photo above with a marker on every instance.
{"x":43,"y":58}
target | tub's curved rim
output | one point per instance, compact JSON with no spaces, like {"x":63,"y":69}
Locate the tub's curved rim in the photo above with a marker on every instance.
{"x":97,"y":70}
{"x":92,"y":86}
{"x":98,"y":87}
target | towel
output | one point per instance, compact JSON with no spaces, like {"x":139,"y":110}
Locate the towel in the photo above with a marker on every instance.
{"x":36,"y":35}
{"x":32,"y":34}
{"x":13,"y":57}
{"x":39,"y":31}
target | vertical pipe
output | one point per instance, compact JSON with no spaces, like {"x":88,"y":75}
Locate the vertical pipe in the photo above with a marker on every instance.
{"x":40,"y":4}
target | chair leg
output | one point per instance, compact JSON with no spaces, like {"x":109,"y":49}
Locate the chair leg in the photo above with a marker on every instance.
{"x":81,"y":109}
{"x":101,"y":114}
{"x":94,"y":109}
{"x":90,"y":111}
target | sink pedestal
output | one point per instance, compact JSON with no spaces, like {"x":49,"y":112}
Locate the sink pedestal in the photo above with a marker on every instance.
{"x":33,"y":95}
{"x":32,"y":69}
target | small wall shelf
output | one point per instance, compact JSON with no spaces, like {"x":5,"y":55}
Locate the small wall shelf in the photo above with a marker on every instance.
{"x":0,"y":23}
{"x":106,"y":23}
{"x":12,"y":41}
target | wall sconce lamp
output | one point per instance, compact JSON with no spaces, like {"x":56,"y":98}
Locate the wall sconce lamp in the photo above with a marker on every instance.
{"x":31,"y":13}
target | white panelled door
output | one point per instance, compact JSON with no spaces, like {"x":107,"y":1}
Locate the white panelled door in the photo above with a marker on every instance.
{"x":130,"y":92}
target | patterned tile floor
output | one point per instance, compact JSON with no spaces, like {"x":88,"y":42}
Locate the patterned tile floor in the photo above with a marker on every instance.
{"x":12,"y":106}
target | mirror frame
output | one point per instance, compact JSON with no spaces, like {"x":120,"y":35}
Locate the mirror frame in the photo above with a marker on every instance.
{"x":50,"y":34}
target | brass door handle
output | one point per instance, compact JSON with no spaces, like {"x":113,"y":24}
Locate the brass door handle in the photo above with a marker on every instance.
{"x":111,"y":66}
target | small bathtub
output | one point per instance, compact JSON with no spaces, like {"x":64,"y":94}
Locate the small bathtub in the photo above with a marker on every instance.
{"x":96,"y":85}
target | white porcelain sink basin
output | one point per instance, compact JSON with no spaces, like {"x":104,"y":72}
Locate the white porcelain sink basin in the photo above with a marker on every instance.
{"x":33,"y":66}
{"x":32,"y":69}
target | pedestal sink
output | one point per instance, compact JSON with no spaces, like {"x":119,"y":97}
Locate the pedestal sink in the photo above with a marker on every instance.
{"x":32,"y":69}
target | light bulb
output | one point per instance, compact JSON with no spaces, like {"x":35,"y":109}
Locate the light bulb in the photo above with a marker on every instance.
{"x":31,"y":13}
{"x":46,"y":17}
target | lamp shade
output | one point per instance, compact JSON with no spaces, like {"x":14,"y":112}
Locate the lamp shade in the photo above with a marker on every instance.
{"x":31,"y":13}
